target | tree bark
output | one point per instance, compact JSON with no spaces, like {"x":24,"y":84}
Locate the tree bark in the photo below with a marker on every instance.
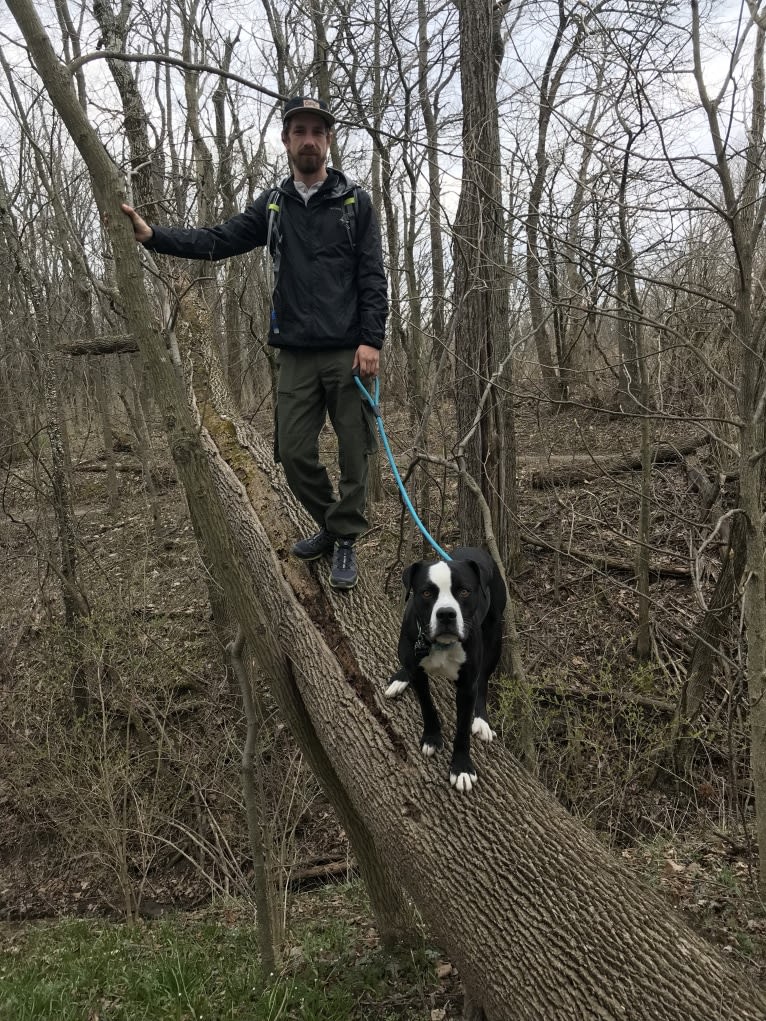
{"x":107,"y":435}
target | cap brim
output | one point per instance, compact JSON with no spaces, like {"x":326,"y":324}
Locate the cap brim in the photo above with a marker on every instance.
{"x":326,"y":117}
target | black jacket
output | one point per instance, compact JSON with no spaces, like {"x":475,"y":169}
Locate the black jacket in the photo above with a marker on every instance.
{"x":330,"y":290}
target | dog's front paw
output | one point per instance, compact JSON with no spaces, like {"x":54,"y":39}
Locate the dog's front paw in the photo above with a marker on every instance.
{"x":462,"y":773}
{"x":397,"y":684}
{"x":482,"y":730}
{"x":430,"y":744}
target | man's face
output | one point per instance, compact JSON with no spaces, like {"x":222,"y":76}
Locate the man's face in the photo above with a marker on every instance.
{"x":307,"y":140}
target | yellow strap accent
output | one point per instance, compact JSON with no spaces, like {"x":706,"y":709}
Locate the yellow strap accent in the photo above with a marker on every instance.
{"x":349,"y":201}
{"x":273,"y":206}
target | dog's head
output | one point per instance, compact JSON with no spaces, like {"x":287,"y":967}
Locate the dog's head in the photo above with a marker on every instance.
{"x":447,"y":596}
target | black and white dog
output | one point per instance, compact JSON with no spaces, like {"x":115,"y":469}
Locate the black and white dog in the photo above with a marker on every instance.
{"x":452,"y":630}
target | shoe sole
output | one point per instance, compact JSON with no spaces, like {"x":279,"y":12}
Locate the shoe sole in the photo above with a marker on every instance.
{"x":314,"y":556}
{"x":343,"y":586}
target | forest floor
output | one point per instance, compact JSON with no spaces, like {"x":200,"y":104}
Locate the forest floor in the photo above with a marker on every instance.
{"x":139,"y":808}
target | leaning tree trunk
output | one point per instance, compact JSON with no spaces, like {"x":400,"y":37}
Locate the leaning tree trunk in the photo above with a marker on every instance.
{"x":564,"y":929}
{"x":541,"y":920}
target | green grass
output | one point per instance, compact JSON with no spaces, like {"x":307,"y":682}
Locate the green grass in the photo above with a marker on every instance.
{"x":182,"y":969}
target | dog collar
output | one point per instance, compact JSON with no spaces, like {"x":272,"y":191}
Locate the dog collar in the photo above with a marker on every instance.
{"x":422,"y":642}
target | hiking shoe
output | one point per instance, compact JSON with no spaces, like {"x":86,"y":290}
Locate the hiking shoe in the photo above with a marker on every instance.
{"x":315,"y":546}
{"x":344,"y":573}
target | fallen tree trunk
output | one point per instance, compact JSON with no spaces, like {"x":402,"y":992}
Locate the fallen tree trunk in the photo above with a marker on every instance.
{"x":541,"y":919}
{"x":330,"y":872}
{"x":570,"y":471}
{"x":98,"y":467}
{"x":99,"y":346}
{"x":606,"y":563}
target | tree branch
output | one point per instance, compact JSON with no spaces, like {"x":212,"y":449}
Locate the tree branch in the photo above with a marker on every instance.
{"x":163,"y":58}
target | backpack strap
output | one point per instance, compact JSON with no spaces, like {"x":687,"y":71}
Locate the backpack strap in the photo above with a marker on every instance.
{"x":273,"y":237}
{"x":274,"y":247}
{"x":350,"y":215}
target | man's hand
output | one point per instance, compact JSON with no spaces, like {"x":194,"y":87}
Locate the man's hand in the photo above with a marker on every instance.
{"x":141,"y":228}
{"x":366,"y":360}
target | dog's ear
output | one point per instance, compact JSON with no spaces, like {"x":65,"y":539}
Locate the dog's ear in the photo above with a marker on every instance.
{"x":407,"y":578}
{"x":484,"y":571}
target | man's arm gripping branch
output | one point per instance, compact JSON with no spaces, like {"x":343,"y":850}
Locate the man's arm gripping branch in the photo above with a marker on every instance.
{"x":141,"y":228}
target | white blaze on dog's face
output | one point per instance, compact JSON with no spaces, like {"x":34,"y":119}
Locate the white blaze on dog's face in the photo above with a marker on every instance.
{"x":450,"y":622}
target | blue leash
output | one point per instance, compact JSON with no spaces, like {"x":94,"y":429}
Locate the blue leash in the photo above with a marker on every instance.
{"x":373,"y":402}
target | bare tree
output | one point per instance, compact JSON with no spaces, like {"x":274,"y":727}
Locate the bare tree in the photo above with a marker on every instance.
{"x":560,"y":56}
{"x":743,"y":204}
{"x":76,"y":608}
{"x":481,"y":287}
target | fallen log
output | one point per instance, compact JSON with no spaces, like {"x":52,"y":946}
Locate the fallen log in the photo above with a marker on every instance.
{"x":96,"y":466}
{"x":314,"y":874}
{"x":570,"y":471}
{"x":98,"y":346}
{"x":605,"y":562}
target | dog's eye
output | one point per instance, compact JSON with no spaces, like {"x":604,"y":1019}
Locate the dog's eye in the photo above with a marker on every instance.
{"x":427,"y":594}
{"x":463,"y":593}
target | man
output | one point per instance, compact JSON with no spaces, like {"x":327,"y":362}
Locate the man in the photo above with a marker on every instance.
{"x":328,"y":321}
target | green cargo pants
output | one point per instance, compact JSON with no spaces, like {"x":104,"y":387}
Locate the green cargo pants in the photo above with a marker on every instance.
{"x":311,"y":385}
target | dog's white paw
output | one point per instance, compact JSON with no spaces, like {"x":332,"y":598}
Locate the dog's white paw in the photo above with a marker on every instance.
{"x":395,"y":689}
{"x":482,"y":730}
{"x":429,"y":749}
{"x":463,"y":781}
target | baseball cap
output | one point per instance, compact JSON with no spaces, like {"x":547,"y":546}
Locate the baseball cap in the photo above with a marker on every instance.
{"x":301,"y":104}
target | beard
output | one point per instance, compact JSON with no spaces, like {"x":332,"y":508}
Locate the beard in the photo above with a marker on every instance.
{"x":308,"y":162}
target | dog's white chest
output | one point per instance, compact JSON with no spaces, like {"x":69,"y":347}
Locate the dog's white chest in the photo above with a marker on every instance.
{"x":444,"y":663}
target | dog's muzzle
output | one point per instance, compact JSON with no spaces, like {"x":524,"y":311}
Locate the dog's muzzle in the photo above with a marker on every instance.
{"x":445,"y":626}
